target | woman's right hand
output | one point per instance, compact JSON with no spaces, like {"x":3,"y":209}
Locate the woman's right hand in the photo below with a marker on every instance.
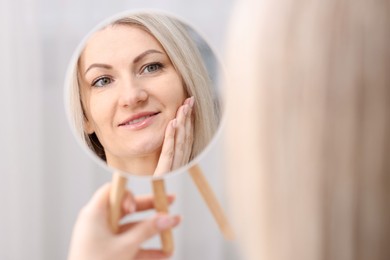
{"x":177,"y":145}
{"x":93,"y":239}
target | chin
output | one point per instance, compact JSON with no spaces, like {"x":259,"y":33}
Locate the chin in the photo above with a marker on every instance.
{"x":146,"y":148}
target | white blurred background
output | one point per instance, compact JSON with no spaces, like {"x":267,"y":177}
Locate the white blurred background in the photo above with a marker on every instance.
{"x":45,"y":176}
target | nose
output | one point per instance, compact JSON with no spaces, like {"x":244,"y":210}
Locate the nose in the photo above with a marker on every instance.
{"x":132,"y":94}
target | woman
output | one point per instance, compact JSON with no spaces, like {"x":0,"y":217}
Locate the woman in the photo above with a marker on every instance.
{"x":311,"y":178}
{"x":309,"y":171}
{"x":141,"y":97}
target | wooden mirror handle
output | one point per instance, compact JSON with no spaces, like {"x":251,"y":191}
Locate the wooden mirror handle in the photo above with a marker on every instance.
{"x":211,"y":201}
{"x":118,"y":188}
{"x":161,"y":205}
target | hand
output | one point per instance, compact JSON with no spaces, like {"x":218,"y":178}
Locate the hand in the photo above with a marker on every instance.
{"x":177,"y":145}
{"x":93,"y":239}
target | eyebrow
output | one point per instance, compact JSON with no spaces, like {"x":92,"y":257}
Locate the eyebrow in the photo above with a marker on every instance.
{"x":136,"y":59}
{"x":145,"y":53}
{"x":98,"y":65}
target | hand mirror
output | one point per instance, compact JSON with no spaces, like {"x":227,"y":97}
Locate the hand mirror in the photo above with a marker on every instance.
{"x":140,"y":97}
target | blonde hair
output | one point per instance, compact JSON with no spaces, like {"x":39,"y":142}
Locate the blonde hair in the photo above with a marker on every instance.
{"x":308,"y":169}
{"x":174,"y":37}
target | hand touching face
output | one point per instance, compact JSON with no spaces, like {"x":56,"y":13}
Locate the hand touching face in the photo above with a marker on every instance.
{"x":178,"y":140}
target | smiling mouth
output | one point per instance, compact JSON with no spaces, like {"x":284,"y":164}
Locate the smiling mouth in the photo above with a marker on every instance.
{"x":138,"y":119}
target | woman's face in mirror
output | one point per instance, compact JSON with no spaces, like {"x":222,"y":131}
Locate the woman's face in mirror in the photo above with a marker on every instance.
{"x":130,"y":91}
{"x":140,"y":95}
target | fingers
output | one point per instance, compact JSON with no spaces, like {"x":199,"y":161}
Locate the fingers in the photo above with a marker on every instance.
{"x":129,"y":204}
{"x":167,"y":152}
{"x":184,"y":134}
{"x":189,"y":136}
{"x":180,"y":136}
{"x":146,"y":202}
{"x":136,"y":233}
{"x":177,"y":145}
{"x":143,"y":203}
{"x":133,"y":204}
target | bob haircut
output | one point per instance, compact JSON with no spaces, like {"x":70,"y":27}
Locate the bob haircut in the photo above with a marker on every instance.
{"x":174,"y":37}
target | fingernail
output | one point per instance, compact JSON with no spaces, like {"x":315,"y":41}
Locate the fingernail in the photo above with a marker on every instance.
{"x":192,"y":101}
{"x":174,"y":123}
{"x":164,"y":222}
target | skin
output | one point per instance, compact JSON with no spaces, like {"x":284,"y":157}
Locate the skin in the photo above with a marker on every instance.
{"x":92,"y":237}
{"x":120,"y":83}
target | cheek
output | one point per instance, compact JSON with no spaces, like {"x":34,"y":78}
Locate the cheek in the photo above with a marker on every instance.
{"x":99,"y":110}
{"x":176,"y":100}
{"x":89,"y":125}
{"x":170,"y":93}
{"x":177,"y":94}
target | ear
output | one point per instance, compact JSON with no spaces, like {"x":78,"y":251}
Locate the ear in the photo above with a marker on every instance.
{"x":88,"y":127}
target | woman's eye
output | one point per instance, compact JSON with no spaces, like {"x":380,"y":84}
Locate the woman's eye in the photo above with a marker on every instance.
{"x":101,"y":82}
{"x":152,"y":68}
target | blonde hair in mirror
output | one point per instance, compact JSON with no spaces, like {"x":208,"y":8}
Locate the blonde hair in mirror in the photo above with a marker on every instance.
{"x":308,"y":129}
{"x":174,"y":37}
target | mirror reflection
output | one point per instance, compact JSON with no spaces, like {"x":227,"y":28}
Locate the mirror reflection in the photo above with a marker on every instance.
{"x":140,"y":95}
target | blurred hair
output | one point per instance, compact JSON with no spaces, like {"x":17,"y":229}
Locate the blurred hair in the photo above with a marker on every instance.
{"x":185,"y":57}
{"x":309,"y":128}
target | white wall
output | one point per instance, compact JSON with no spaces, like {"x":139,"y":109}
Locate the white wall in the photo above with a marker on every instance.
{"x":46,"y":176}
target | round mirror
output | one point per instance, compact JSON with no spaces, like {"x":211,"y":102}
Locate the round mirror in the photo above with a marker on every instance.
{"x":141,"y":94}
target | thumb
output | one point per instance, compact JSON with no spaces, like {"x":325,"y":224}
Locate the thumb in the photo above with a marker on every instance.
{"x":99,"y":200}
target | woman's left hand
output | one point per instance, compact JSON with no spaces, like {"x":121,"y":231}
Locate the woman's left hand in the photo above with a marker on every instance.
{"x":179,"y":135}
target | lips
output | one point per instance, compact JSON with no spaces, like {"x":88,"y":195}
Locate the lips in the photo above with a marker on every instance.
{"x":138,"y":119}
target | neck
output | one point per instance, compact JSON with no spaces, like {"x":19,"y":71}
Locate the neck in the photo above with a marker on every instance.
{"x":141,"y":165}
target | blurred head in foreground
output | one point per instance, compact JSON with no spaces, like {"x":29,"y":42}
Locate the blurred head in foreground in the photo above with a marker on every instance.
{"x":309,"y":128}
